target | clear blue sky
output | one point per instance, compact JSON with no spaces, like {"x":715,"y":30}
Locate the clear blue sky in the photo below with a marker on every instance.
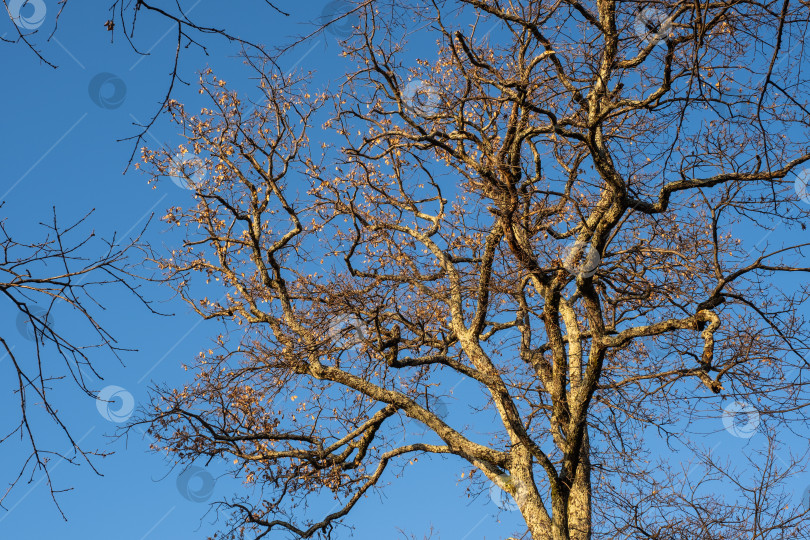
{"x":58,"y":147}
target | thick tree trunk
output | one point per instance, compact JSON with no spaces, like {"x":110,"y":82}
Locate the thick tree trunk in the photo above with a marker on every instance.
{"x":569,"y":521}
{"x":527,"y":497}
{"x":579,"y":502}
{"x":537,"y":521}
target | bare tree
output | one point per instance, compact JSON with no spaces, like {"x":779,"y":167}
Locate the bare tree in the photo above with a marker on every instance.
{"x":569,"y":206}
{"x":124,"y":17}
{"x":58,"y":274}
